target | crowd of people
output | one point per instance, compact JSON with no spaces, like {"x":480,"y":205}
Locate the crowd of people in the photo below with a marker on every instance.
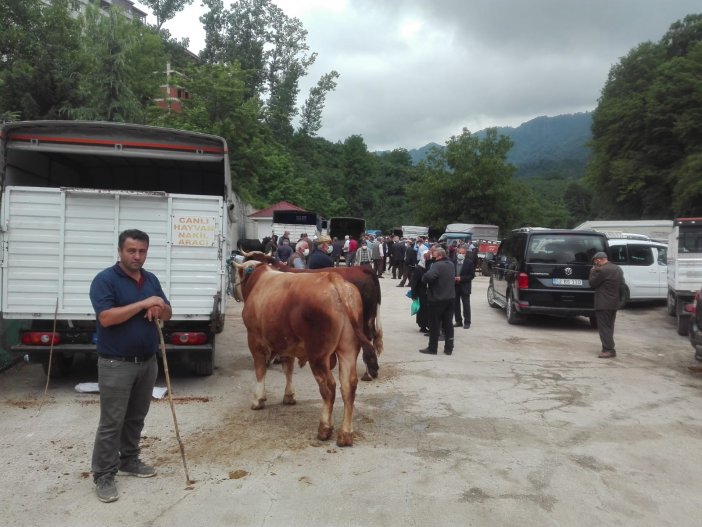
{"x":440,"y":277}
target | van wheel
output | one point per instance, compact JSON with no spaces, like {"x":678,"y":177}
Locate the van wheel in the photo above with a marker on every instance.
{"x":670,"y":304}
{"x":623,"y":297}
{"x":491,"y":296}
{"x":512,"y":316}
{"x":683,"y":324}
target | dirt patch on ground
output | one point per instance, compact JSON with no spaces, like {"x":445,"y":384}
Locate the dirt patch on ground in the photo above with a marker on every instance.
{"x":26,"y":404}
{"x":185,"y":400}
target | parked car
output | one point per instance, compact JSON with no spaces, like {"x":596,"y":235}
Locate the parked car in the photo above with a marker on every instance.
{"x":544,"y":271}
{"x":645,"y":266}
{"x":695,"y":310}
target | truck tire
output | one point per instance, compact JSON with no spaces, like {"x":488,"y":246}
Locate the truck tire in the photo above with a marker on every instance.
{"x":670,"y":303}
{"x":683,"y":324}
{"x":60,"y":366}
{"x":204,"y":366}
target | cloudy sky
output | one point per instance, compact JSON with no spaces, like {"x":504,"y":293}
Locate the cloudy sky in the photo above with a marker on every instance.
{"x":417,"y":71}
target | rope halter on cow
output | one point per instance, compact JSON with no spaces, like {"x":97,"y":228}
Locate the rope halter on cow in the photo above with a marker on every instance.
{"x":242,"y":271}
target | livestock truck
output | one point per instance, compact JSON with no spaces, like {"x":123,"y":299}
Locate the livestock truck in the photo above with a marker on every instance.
{"x":684,"y":268}
{"x":68,"y":188}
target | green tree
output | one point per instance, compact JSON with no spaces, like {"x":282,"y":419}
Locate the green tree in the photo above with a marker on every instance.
{"x":164,"y":10}
{"x":121,"y":61}
{"x":470,"y":181}
{"x":39,"y":51}
{"x":272,"y":50}
{"x":646,"y":128}
{"x":311,"y":118}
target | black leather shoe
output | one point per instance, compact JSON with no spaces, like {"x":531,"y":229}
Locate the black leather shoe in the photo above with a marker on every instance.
{"x":448,"y":352}
{"x":428,"y":351}
{"x":466,"y":326}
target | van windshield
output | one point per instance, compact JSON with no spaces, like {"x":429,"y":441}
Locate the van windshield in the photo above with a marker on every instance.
{"x":563,"y":248}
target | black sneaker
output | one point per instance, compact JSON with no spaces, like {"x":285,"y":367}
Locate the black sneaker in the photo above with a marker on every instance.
{"x":448,"y":352}
{"x":138,"y":468}
{"x":466,"y":326}
{"x":106,"y":488}
{"x":428,"y":351}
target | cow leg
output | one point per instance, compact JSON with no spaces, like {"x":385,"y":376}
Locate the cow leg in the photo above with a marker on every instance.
{"x":288,"y":364}
{"x":260,"y":366}
{"x":349,"y":381}
{"x":327,"y":389}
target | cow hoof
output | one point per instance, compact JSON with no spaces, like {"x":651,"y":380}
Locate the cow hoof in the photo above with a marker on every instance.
{"x":366,"y":377}
{"x":289,"y":399}
{"x":324,"y":432}
{"x":344,"y":438}
{"x":258,"y":405}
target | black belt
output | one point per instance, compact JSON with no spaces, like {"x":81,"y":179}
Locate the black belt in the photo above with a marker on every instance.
{"x":134,"y":358}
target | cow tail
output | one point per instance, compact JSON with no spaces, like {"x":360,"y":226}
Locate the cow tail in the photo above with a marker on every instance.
{"x":376,"y":329}
{"x":370,"y":357}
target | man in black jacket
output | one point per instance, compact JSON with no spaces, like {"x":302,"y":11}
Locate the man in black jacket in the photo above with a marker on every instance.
{"x":409,"y":264}
{"x":606,"y":279}
{"x":465,"y":272}
{"x":441,"y":294}
{"x":397,"y":257}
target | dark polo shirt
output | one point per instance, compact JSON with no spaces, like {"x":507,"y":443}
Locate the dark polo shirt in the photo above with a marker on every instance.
{"x":136,"y":336}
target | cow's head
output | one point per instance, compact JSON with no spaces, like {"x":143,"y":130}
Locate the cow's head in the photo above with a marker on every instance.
{"x":241,"y":273}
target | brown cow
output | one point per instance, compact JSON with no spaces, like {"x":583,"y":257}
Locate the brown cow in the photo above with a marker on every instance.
{"x":314,"y":317}
{"x":368,"y":285}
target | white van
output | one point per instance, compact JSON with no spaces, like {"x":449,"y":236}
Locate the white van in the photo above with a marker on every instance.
{"x":644,"y":263}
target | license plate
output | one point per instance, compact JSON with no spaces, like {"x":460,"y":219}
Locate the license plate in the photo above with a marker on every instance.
{"x":567,"y":281}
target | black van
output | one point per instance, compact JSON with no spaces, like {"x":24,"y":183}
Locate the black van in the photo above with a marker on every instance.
{"x":544,"y":271}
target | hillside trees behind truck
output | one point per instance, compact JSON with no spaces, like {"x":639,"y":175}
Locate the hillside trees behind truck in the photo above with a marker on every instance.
{"x":647,"y":129}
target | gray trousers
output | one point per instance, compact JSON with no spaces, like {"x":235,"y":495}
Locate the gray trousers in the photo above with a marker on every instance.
{"x":605,"y":325}
{"x":125,"y":397}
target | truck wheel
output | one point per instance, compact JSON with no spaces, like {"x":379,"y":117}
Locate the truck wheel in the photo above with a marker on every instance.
{"x":623,"y":297}
{"x":670,"y":304}
{"x":60,"y":366}
{"x":683,"y":324}
{"x":205,"y":366}
{"x":491,"y":296}
{"x":512,"y":316}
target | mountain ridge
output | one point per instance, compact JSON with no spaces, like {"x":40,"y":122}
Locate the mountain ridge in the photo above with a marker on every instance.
{"x":541,"y":145}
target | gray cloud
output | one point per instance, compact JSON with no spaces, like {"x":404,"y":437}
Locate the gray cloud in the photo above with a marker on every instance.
{"x":472,"y":63}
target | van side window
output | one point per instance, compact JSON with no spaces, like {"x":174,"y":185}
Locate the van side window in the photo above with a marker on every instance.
{"x":640,"y":255}
{"x":618,"y":254}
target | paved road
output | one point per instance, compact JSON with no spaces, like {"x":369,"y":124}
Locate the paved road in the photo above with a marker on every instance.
{"x":523,"y":425}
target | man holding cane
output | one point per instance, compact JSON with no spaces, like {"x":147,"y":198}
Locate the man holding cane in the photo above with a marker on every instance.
{"x":127,"y":300}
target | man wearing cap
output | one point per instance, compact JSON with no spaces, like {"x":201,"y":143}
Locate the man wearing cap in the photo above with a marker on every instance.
{"x":606,"y":279}
{"x":320,"y":258}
